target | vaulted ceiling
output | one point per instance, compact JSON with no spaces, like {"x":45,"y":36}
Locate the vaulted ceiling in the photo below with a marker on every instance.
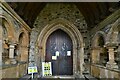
{"x":93,"y":12}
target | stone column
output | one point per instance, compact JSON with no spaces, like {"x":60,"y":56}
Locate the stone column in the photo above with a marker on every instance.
{"x":111,"y":63}
{"x":81,"y":59}
{"x":11,"y":53}
{"x":75,"y":61}
{"x":95,"y":54}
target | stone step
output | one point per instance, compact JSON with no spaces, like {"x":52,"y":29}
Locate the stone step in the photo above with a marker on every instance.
{"x":89,"y":77}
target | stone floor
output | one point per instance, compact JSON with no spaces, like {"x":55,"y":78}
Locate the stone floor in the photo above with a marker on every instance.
{"x":28,"y":77}
{"x":85,"y":77}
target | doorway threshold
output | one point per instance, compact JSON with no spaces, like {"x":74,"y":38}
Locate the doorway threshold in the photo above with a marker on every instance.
{"x":60,"y":77}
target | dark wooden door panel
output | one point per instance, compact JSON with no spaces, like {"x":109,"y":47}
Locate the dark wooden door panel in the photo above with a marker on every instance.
{"x":61,"y":42}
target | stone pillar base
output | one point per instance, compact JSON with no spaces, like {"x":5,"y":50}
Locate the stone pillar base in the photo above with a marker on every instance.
{"x":112,"y":65}
{"x":79,"y":76}
{"x":86,"y":71}
{"x":13,"y":61}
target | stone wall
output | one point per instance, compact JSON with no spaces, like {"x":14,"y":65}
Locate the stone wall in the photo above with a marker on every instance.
{"x":14,"y":38}
{"x":108,"y":29}
{"x":14,"y":71}
{"x":103,"y":72}
{"x":54,"y":11}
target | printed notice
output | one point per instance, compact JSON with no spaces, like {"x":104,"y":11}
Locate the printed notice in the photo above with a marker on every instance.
{"x":57,"y":53}
{"x":68,"y":53}
{"x":54,"y":57}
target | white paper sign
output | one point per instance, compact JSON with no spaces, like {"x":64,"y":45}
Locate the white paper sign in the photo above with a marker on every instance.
{"x":68,"y":53}
{"x":57,"y":53}
{"x":54,"y":57}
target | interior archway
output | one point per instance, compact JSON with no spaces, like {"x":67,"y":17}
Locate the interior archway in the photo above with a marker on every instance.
{"x":18,"y":50}
{"x":6,"y":37}
{"x":103,"y":51}
{"x":77,"y":40}
{"x":117,"y":54}
{"x":9,"y":27}
{"x":114,"y":38}
{"x":22,"y":48}
{"x":99,"y":52}
{"x":5,"y":52}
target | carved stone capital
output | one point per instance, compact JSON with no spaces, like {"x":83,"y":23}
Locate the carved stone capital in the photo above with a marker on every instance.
{"x":112,"y":44}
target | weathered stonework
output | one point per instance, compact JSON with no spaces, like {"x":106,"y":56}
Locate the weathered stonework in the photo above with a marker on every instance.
{"x":103,"y":41}
{"x":50,"y":14}
{"x":110,"y":34}
{"x":11,"y":28}
{"x":58,"y":11}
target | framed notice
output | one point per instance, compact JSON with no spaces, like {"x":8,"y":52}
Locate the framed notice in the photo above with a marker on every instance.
{"x":46,"y":69}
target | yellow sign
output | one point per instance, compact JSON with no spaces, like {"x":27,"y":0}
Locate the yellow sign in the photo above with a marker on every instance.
{"x":46,"y":69}
{"x":32,"y":70}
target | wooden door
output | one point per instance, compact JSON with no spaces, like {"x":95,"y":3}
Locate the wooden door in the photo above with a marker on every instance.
{"x":60,"y":42}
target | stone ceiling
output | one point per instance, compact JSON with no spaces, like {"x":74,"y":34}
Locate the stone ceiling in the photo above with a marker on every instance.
{"x":93,"y":12}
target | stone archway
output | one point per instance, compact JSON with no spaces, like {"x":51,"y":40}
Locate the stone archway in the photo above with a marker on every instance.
{"x":9,"y":27}
{"x":77,"y":40}
{"x":113,"y":39}
{"x":98,"y":47}
{"x":10,"y":38}
{"x":21,"y":50}
{"x":118,"y":53}
{"x":112,"y":43}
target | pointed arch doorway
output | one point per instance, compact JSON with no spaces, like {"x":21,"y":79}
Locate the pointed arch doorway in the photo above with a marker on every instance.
{"x":77,"y":51}
{"x":59,"y":51}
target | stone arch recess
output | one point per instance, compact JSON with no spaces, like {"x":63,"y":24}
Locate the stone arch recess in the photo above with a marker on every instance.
{"x":9,"y":27}
{"x":96,"y":36}
{"x":112,"y":36}
{"x":26,"y":37}
{"x":95,"y":54}
{"x":75,"y":35}
{"x":10,"y":30}
{"x":24,"y":45}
